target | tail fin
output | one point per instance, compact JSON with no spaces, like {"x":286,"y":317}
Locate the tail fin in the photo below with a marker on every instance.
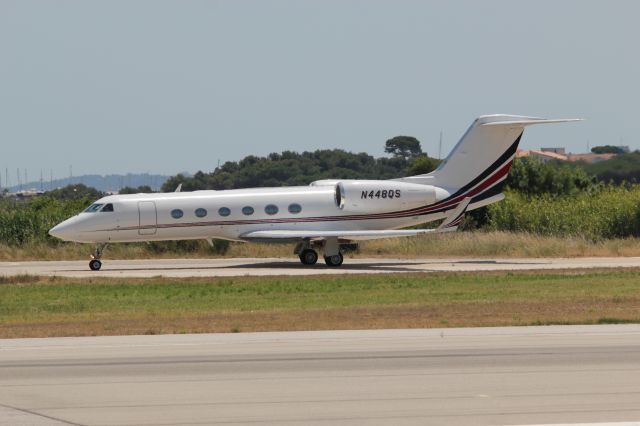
{"x":485,"y":151}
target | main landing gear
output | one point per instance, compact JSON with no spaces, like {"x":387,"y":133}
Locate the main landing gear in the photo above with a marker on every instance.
{"x":309,"y":256}
{"x":335,"y":260}
{"x":95,"y":264}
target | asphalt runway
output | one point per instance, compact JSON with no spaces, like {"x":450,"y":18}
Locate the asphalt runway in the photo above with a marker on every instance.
{"x":482,"y":376}
{"x":291,"y":266}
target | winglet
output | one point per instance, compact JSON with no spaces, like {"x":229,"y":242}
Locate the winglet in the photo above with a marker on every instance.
{"x":455,"y":216}
{"x":179,"y":188}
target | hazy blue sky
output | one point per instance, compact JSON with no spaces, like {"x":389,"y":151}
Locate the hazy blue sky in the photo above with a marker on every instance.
{"x":158,"y":86}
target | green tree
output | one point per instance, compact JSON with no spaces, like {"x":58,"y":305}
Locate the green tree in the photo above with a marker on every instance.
{"x":139,"y":190}
{"x":421,"y":165}
{"x":607,"y":149}
{"x":403,"y":146}
{"x":75,"y":192}
{"x":619,"y":169}
{"x":290,"y":169}
{"x":532,"y":176}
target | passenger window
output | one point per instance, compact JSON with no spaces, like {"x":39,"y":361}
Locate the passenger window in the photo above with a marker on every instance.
{"x":271,"y":209}
{"x":224,"y":211}
{"x":93,"y":208}
{"x":107,"y":208}
{"x":177,"y":213}
{"x":247,"y":211}
{"x":295,"y":208}
{"x":201,"y":212}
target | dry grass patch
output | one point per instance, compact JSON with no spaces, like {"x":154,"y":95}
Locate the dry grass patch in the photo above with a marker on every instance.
{"x":357,"y":318}
{"x":459,"y":244}
{"x":41,"y":306}
{"x":500,"y":244}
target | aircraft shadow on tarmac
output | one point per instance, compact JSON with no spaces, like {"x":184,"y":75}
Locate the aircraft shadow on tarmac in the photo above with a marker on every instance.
{"x":391,"y":267}
{"x":405,"y":266}
{"x":495,"y":262}
{"x":387,"y":266}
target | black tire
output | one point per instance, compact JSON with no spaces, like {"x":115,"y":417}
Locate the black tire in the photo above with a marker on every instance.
{"x":308,"y":257}
{"x":335,"y":260}
{"x":95,"y":265}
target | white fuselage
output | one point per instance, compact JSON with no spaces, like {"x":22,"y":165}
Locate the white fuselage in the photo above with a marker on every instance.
{"x":327,"y":214}
{"x":365,"y":205}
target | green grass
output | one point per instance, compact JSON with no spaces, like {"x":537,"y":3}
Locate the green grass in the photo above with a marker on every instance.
{"x":267,"y":293}
{"x":42,"y":307}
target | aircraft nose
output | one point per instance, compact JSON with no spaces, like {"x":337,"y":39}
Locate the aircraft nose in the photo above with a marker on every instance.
{"x":63,"y":230}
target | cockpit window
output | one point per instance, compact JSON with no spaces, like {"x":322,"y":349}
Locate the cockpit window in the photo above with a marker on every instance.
{"x":107,"y":208}
{"x":93,"y":208}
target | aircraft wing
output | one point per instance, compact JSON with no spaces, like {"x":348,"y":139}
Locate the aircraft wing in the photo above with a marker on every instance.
{"x":453,"y":219}
{"x":350,"y":235}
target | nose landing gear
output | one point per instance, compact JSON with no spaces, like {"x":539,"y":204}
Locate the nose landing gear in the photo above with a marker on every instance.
{"x":95,"y":264}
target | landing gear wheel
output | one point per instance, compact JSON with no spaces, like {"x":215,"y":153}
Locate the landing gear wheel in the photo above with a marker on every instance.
{"x":335,"y":260}
{"x":308,"y":257}
{"x":95,"y":265}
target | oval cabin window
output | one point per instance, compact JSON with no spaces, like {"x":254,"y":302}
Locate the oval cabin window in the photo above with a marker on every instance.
{"x":295,"y":208}
{"x":177,"y":213}
{"x":247,"y":211}
{"x":271,"y":209}
{"x":201,"y":212}
{"x":224,"y":211}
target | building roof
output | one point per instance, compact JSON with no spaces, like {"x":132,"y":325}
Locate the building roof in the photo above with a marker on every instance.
{"x":590,"y":157}
{"x":548,"y":155}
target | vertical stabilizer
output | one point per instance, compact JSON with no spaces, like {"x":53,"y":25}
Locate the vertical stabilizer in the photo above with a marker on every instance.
{"x":483,"y":155}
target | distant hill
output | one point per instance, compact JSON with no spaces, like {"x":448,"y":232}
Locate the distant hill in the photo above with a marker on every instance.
{"x":108,"y":183}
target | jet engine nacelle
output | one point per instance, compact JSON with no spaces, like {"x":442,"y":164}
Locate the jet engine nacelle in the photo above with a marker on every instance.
{"x":359,"y":196}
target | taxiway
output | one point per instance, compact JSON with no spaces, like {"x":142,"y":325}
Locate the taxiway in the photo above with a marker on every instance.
{"x":274,"y":266}
{"x":526,"y":375}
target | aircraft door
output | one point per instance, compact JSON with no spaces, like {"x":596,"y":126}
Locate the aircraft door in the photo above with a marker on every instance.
{"x":148,"y":217}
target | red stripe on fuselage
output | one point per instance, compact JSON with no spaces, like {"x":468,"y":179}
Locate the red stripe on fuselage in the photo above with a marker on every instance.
{"x":442,"y":205}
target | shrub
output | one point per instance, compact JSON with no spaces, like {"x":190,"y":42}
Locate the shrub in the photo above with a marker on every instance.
{"x":603,"y":212}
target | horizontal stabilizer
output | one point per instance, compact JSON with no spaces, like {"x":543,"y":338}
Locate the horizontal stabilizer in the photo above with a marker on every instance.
{"x":527,"y":121}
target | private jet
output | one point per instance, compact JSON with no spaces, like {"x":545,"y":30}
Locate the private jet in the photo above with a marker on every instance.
{"x":326,"y":216}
